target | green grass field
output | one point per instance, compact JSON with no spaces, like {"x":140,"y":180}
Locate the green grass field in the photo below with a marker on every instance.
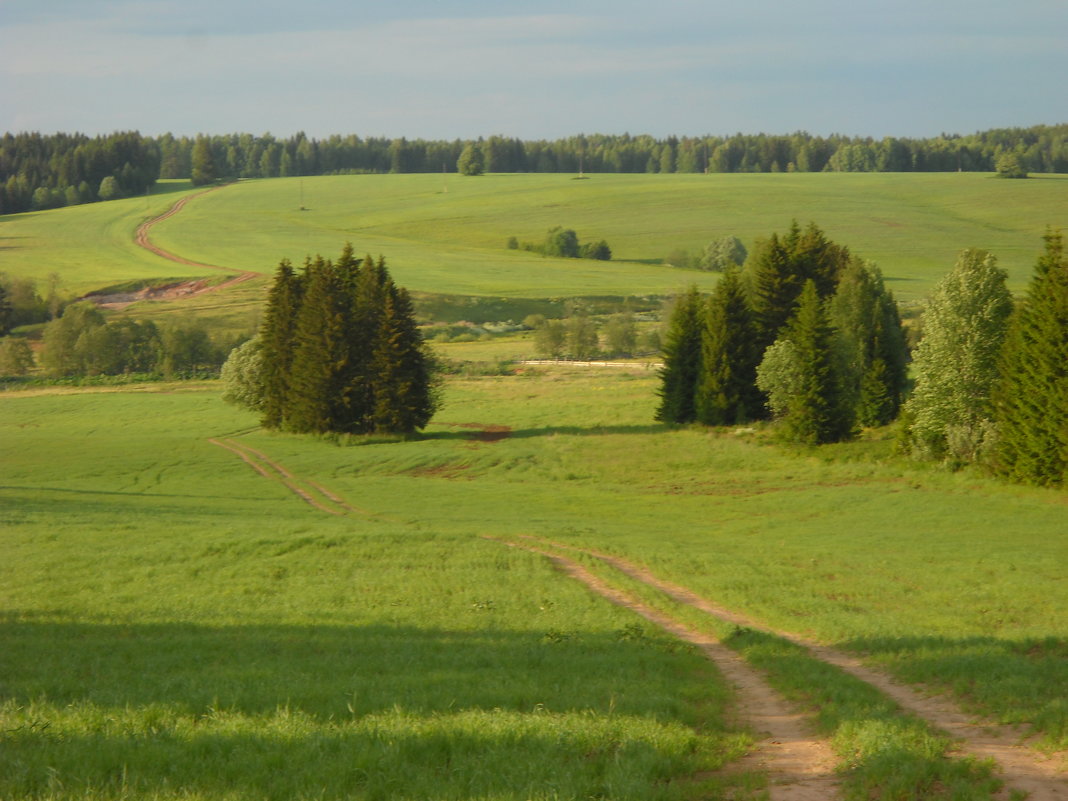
{"x":175,"y":625}
{"x":912,"y":225}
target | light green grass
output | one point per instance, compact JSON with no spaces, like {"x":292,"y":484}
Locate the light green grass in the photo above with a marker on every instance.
{"x":912,"y":225}
{"x":167,"y":608}
{"x":92,"y":246}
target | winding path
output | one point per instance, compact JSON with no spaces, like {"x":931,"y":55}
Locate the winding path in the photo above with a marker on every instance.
{"x":182,"y":289}
{"x":1040,"y":777}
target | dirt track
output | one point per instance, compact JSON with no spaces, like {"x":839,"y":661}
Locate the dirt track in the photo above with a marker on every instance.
{"x":799,"y":765}
{"x":1041,"y":777}
{"x":183,"y":289}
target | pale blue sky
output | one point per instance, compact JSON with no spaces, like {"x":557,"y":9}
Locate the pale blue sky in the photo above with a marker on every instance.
{"x":443,"y":70}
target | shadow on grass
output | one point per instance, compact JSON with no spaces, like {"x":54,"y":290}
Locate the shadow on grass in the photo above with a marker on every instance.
{"x":324,"y":671}
{"x":172,"y":710}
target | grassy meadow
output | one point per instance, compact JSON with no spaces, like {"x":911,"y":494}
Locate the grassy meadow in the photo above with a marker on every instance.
{"x":176,"y":625}
{"x":448,"y":234}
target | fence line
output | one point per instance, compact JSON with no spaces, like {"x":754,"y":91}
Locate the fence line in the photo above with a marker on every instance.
{"x":573,"y":363}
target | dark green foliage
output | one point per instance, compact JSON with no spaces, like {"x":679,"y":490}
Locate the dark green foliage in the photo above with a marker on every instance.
{"x":596,"y":250}
{"x":278,"y":335}
{"x":203,"y":166}
{"x":817,"y":413}
{"x":403,"y":382}
{"x":870,"y":344}
{"x":726,"y":389}
{"x":342,"y":353}
{"x":682,"y":360}
{"x":319,"y":353}
{"x":563,"y":243}
{"x":1031,"y":396}
{"x":6,"y":310}
{"x":778,"y":270}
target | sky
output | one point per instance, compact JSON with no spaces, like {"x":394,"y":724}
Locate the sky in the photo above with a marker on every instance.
{"x":448,"y":70}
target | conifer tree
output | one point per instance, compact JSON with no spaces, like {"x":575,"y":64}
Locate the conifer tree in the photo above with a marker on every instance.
{"x":1031,"y":396}
{"x":402,"y":385}
{"x":955,"y":364}
{"x":870,"y":344}
{"x":726,"y":389}
{"x":778,"y":270}
{"x":816,"y":412}
{"x":278,"y":339}
{"x":682,"y":360}
{"x":319,"y":353}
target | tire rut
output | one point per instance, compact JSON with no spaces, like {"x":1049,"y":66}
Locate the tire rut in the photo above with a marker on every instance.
{"x":799,"y":765}
{"x":318,"y":496}
{"x":1041,"y":777}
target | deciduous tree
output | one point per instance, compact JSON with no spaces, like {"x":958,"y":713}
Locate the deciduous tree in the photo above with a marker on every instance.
{"x":955,"y":364}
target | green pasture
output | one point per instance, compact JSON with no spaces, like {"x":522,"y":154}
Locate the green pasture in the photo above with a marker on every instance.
{"x":447,"y":235}
{"x":175,"y":625}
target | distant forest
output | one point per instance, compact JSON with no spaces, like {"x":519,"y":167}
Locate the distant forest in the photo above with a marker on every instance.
{"x":47,"y":171}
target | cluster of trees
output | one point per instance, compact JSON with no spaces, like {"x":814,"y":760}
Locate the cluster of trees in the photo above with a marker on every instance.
{"x":578,"y":337}
{"x":339,"y":351}
{"x":82,"y":343}
{"x":38,"y":171}
{"x":991,"y":377}
{"x":717,"y":256}
{"x":808,"y":332}
{"x":21,"y":302}
{"x":45,"y":172}
{"x":564,"y":243}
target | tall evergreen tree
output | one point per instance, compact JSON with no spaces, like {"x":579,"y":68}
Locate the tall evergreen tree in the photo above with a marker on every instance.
{"x":726,"y":389}
{"x":870,"y":343}
{"x":817,"y":412}
{"x":403,"y":391}
{"x":955,"y":364}
{"x":319,"y":354}
{"x":278,"y":338}
{"x":1031,"y":396}
{"x":6,"y":310}
{"x":778,"y":270}
{"x":682,"y":360}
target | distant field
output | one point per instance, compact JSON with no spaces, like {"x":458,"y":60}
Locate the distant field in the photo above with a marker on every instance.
{"x":453,"y":241}
{"x":185,"y":626}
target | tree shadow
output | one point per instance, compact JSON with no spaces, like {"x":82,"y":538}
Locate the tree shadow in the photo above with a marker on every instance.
{"x":285,"y":711}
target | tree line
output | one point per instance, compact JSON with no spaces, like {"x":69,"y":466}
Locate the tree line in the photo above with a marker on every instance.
{"x":44,"y":171}
{"x":339,"y":352}
{"x":808,"y":335}
{"x":82,"y":342}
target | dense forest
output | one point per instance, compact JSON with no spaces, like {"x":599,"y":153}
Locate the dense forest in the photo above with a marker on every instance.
{"x":46,"y":171}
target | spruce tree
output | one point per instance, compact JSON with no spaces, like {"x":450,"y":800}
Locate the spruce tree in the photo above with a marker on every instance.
{"x":402,"y":378}
{"x":319,"y":353}
{"x":955,"y":364}
{"x":278,"y":341}
{"x":726,"y":388}
{"x":870,"y":344}
{"x":778,"y":270}
{"x":682,"y":360}
{"x":1031,"y":396}
{"x":817,"y":412}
